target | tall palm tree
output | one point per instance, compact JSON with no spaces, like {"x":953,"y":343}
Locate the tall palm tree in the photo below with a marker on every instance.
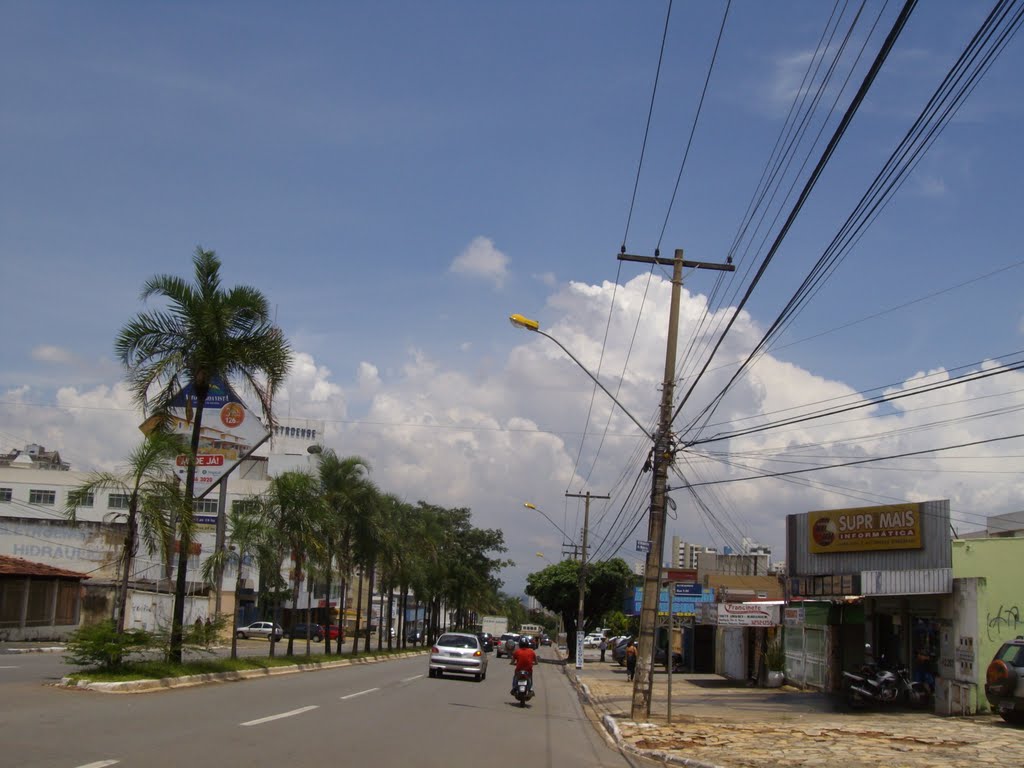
{"x":346,"y":490}
{"x":250,"y":537}
{"x":203,"y":334}
{"x":150,"y":485}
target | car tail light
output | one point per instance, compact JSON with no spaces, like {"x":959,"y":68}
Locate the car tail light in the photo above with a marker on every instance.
{"x":434,"y":650}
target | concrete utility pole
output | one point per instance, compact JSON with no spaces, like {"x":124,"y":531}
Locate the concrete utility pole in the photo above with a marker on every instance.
{"x":580,"y":633}
{"x":662,"y":457}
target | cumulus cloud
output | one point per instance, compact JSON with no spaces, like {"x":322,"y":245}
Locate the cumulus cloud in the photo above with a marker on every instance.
{"x":50,"y":354}
{"x":494,"y":438}
{"x":482,"y":260}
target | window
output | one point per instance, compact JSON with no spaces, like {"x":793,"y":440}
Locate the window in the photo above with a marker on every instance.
{"x":117,"y":501}
{"x":244,"y":506}
{"x":5,"y":495}
{"x":205,"y":506}
{"x":36,"y":496}
{"x":81,"y":499}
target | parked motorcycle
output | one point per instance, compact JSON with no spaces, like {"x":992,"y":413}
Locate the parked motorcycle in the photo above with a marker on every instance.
{"x":523,"y":690}
{"x":878,"y":686}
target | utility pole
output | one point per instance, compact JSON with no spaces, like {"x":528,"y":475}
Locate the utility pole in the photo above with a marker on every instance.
{"x":580,"y":634}
{"x":662,"y":457}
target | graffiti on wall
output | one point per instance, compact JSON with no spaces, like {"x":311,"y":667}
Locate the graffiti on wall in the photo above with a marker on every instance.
{"x":1005,"y":621}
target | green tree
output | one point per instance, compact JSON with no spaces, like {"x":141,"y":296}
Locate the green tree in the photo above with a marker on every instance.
{"x":152,"y":491}
{"x":203,"y":334}
{"x":249,"y":537}
{"x":557,"y":589}
{"x":347,"y":491}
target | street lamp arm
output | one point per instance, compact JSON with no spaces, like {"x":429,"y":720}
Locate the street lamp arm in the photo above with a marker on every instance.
{"x":596,"y":381}
{"x":528,"y":505}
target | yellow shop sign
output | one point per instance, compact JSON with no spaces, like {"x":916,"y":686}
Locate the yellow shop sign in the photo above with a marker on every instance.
{"x":892,"y":526}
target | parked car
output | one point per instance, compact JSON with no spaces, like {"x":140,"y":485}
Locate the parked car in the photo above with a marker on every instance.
{"x":506,"y":644}
{"x":458,"y":652}
{"x":331,"y":631}
{"x":545,"y":640}
{"x":487,"y":641}
{"x":265,"y":629}
{"x":1004,"y":681}
{"x":415,"y":637}
{"x":300,"y":632}
{"x":592,"y":640}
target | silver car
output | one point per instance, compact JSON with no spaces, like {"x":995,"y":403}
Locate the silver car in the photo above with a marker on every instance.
{"x":458,"y":652}
{"x":265,"y":629}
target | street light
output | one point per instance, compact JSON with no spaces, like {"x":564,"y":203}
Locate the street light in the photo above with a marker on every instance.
{"x":532,"y":325}
{"x":528,"y":505}
{"x":544,"y":558}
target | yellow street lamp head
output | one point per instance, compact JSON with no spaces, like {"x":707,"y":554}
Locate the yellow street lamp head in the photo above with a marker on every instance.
{"x":541,"y":554}
{"x":528,"y":505}
{"x":524,"y":322}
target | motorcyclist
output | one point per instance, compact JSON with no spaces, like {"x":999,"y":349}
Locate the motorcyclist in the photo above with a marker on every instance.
{"x":524,"y":658}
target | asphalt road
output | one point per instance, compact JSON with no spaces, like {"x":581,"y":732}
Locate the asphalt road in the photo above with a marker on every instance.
{"x":380,"y":714}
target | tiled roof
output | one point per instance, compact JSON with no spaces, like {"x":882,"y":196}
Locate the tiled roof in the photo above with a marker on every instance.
{"x":15,"y":566}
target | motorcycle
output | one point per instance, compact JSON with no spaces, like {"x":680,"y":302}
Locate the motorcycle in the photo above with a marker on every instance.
{"x":523,"y":690}
{"x":875,"y":685}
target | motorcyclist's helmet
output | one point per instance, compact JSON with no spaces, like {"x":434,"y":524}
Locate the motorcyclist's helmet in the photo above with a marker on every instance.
{"x":524,"y":643}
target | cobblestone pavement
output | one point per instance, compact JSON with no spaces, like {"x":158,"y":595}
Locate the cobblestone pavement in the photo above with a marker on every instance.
{"x":717,"y":723}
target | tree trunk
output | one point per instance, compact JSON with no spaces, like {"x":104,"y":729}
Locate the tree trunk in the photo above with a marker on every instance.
{"x":199,"y":391}
{"x":369,"y":623}
{"x":391,"y":613}
{"x":359,"y":609}
{"x":343,"y":610}
{"x":234,"y":613}
{"x":129,"y":556}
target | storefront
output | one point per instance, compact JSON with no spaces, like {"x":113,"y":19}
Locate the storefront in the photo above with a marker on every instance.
{"x":870,"y":583}
{"x":741,"y":634}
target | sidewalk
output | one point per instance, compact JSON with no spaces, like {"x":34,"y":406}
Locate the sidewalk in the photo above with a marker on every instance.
{"x":717,"y":722}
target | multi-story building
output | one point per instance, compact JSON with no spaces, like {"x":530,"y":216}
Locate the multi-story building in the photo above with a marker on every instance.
{"x":684,"y":554}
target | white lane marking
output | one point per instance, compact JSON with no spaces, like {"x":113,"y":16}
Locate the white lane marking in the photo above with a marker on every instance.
{"x":353,"y":695}
{"x":9,"y":667}
{"x":278,"y":717}
{"x":410,"y":679}
{"x":100,"y":764}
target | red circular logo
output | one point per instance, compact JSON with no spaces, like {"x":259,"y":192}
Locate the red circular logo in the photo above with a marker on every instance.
{"x":232,"y":414}
{"x":824,"y":532}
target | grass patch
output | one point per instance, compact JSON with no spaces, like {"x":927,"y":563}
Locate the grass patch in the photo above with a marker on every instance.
{"x":158,"y":670}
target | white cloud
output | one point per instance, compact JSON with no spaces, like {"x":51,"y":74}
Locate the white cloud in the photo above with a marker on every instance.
{"x":481,"y":259}
{"x":546,"y":278}
{"x":50,"y":354}
{"x":491,"y":440}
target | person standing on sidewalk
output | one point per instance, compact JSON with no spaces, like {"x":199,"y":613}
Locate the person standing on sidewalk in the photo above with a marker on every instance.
{"x":603,"y":646}
{"x":630,"y":660}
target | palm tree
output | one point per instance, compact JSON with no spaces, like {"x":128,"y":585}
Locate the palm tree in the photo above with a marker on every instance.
{"x":250,"y":537}
{"x":152,"y":492}
{"x":346,"y":490}
{"x":295,"y":517}
{"x":205,"y":334}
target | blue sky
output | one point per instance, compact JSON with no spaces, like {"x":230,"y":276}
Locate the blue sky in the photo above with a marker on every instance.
{"x":399,"y":177}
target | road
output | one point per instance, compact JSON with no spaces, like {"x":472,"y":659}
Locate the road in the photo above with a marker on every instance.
{"x":380,"y":714}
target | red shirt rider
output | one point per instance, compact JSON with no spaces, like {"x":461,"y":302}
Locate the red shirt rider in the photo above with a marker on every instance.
{"x":524,"y":658}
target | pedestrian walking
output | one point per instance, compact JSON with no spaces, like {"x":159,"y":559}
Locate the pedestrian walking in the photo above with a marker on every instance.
{"x":630,"y":660}
{"x":603,"y":646}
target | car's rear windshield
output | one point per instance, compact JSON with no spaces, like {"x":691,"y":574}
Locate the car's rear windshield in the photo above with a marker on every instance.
{"x":457,"y":641}
{"x":1012,"y":654}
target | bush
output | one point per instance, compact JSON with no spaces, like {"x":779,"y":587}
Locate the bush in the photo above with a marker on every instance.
{"x":99,"y":646}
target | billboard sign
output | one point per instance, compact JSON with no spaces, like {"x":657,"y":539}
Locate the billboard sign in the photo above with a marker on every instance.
{"x":863,"y":529}
{"x":740,"y":614}
{"x":230,"y":433}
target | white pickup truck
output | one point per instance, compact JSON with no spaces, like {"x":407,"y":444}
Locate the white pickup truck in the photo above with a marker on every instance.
{"x":1004,"y":681}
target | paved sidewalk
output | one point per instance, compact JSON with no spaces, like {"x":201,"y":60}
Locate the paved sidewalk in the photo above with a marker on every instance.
{"x":716,"y":722}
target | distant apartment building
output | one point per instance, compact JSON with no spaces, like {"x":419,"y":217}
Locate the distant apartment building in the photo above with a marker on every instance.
{"x":34,"y":456}
{"x":685,"y":554}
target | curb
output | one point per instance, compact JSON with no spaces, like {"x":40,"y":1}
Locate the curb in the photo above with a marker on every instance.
{"x":41,"y":649}
{"x":167,"y":683}
{"x":611,"y":728}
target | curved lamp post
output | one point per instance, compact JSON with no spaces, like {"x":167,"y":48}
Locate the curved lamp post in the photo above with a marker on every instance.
{"x":532,"y":325}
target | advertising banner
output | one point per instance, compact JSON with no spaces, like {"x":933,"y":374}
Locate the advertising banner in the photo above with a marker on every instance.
{"x":893,"y":526}
{"x":740,"y":614}
{"x":230,"y":432}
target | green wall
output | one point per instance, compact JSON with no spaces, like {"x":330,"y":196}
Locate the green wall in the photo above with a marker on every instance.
{"x":1001,"y":601}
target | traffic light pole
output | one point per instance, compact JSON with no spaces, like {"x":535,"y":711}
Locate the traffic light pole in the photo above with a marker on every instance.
{"x":662,"y":458}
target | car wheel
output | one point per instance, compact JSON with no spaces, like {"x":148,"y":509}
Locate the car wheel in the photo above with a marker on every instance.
{"x":477,"y":677}
{"x":1000,"y":678}
{"x":1014,"y":717}
{"x":318,"y":638}
{"x":483,"y":675}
